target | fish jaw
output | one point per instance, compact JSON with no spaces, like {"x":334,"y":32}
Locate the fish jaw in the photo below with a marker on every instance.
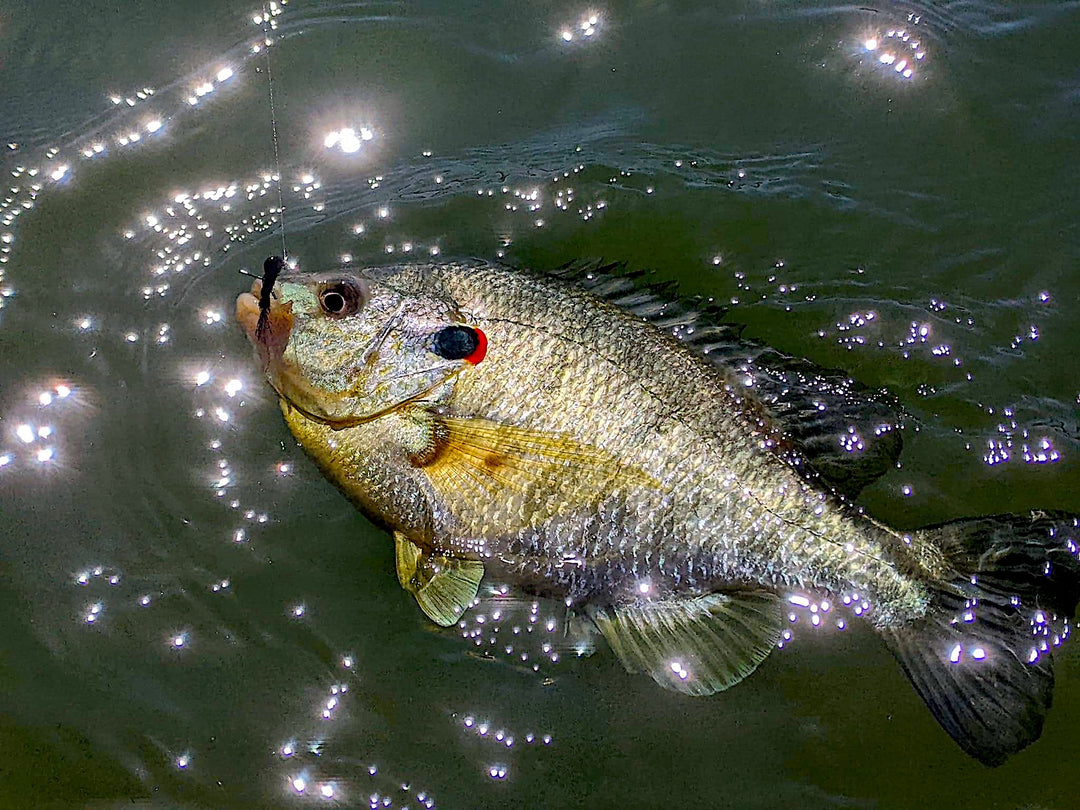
{"x":270,"y":343}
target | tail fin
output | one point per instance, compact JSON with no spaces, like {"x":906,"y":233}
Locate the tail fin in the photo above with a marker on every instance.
{"x":981,"y":657}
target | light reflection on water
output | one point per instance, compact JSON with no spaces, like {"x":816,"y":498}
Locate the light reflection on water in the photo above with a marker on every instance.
{"x":230,"y":630}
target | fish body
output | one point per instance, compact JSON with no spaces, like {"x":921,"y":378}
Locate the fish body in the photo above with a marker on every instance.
{"x":716,"y":504}
{"x":590,"y":455}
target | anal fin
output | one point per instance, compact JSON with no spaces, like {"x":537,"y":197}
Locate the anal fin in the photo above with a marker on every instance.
{"x":696,"y":646}
{"x":444,"y":586}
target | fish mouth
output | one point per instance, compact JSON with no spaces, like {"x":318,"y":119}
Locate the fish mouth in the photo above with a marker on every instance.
{"x":247,"y":308}
{"x":271,"y":338}
{"x":247,"y":312}
{"x":268,"y":332}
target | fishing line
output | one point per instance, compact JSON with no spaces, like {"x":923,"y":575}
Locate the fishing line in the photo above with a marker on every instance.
{"x":279,"y":266}
{"x":273,"y":129}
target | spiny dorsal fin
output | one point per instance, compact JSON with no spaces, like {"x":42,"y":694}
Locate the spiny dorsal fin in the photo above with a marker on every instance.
{"x":444,"y":587}
{"x":697,"y":646}
{"x":640,"y":293}
{"x":491,"y":474}
{"x":846,"y":433}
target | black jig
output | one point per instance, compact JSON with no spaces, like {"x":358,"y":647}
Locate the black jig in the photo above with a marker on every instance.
{"x":272,"y":268}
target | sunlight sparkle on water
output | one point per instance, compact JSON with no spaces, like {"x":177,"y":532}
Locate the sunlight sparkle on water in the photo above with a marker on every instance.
{"x":587,"y":26}
{"x":899,"y":50}
{"x":347,"y":139}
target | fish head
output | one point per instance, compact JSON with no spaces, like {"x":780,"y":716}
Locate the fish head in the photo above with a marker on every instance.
{"x":346,"y":347}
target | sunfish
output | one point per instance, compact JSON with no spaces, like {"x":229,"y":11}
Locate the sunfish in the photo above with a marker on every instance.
{"x":578,"y":435}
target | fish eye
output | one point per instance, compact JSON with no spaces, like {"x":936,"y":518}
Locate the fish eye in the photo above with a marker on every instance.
{"x":341,"y":298}
{"x":333,"y":302}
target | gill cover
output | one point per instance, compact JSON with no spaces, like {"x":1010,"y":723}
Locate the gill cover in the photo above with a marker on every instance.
{"x":358,"y":348}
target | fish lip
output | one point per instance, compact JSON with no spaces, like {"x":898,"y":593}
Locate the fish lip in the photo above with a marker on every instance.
{"x":247,"y":312}
{"x":247,"y":309}
{"x":270,"y":343}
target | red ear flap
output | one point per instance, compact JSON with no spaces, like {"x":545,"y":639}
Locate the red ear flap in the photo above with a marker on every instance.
{"x":481,"y":348}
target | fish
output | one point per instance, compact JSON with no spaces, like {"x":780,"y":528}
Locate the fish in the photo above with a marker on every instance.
{"x":584,"y":434}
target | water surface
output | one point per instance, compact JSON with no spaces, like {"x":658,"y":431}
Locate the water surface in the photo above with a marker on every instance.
{"x":194,"y":617}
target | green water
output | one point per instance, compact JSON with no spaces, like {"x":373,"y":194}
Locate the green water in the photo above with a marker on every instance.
{"x":757,"y":151}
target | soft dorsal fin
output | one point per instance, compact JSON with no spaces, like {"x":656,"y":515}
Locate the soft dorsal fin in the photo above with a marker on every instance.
{"x":491,"y":474}
{"x":846,"y":433}
{"x":697,"y":646}
{"x":444,"y":587}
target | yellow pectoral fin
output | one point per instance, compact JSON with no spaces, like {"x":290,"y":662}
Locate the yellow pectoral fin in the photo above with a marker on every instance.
{"x":444,"y":587}
{"x":500,"y":478}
